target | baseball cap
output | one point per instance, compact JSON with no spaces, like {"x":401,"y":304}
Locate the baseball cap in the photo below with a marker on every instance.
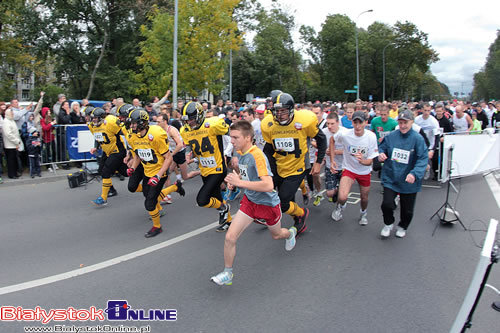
{"x":359,"y":115}
{"x":405,"y":115}
{"x":261,"y":108}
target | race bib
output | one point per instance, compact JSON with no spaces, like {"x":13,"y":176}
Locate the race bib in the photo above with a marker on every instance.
{"x":384,"y":134}
{"x":208,"y":162}
{"x":99,"y":137}
{"x":243,"y":171}
{"x":357,"y":149}
{"x":284,"y":144}
{"x":145,"y":155}
{"x":400,"y":155}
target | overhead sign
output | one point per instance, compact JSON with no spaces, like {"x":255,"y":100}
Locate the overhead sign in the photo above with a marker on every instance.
{"x":350,"y":91}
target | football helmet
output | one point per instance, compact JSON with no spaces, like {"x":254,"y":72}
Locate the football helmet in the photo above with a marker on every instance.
{"x":283,"y":101}
{"x":140,"y":117}
{"x":87,"y":111}
{"x":124,"y":110}
{"x":193,"y":115}
{"x":97,"y":116}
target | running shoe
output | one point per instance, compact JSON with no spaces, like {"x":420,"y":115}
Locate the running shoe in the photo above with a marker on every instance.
{"x":317,"y":200}
{"x":305,"y":199}
{"x":167,"y":199}
{"x":400,"y":232}
{"x":386,"y":231}
{"x":300,"y":221}
{"x":223,"y":278}
{"x":99,"y":202}
{"x":223,"y":227}
{"x":362,"y":219}
{"x":180,"y":189}
{"x":234,"y":194}
{"x":153,"y":232}
{"x":337,"y":213}
{"x":223,"y":214}
{"x":112,"y":192}
{"x":290,"y":241}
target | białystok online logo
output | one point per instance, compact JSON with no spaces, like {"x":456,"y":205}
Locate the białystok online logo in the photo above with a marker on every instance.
{"x":118,"y":310}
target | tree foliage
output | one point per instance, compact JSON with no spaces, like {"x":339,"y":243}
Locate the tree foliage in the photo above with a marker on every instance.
{"x":487,"y":81}
{"x":207,"y":32}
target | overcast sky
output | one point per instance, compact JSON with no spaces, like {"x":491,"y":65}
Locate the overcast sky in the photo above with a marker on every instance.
{"x":461,"y":32}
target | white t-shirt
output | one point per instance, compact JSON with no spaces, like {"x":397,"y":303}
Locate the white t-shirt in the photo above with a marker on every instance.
{"x":352,"y":144}
{"x":312,"y":150}
{"x":259,"y":140}
{"x":339,"y":159}
{"x":430,"y":126}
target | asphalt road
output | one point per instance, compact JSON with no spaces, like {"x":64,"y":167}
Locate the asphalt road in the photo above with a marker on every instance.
{"x":341,"y":277}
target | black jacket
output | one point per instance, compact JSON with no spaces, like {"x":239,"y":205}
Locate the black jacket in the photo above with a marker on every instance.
{"x":34,"y":146}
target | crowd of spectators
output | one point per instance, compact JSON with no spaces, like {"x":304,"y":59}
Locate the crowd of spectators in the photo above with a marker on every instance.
{"x":20,"y":126}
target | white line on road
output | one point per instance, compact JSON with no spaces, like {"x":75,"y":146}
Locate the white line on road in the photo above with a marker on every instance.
{"x":494,"y":187}
{"x":104,"y":264}
{"x":429,"y":186}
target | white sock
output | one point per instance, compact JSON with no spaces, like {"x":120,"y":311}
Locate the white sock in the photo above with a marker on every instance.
{"x":362,"y":211}
{"x":179,"y":177}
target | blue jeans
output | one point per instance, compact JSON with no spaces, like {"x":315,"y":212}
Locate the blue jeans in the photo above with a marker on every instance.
{"x":35,"y":166}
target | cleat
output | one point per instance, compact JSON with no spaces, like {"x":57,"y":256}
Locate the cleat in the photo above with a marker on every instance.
{"x":223,"y":227}
{"x":100,"y":202}
{"x":300,"y":222}
{"x":223,"y":278}
{"x":362,"y":219}
{"x":400,"y":232}
{"x":290,"y":241}
{"x":317,"y":200}
{"x":337,"y":213}
{"x":112,"y":192}
{"x":386,"y":231}
{"x":180,"y":189}
{"x":153,"y":232}
{"x":305,"y":199}
{"x":223,"y":214}
{"x":233,"y":194}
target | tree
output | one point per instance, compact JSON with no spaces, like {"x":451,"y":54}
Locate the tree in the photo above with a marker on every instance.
{"x":487,"y":81}
{"x":206,"y":32}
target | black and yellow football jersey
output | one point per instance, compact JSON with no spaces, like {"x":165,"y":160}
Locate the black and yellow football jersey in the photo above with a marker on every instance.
{"x":150,"y":148}
{"x":290,"y":141}
{"x":206,"y":144}
{"x":108,"y":135}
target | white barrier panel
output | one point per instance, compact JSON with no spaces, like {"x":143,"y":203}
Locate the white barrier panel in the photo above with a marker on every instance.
{"x":472,"y":154}
{"x":85,"y":141}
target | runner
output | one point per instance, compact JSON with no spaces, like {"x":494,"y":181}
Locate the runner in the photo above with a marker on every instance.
{"x":286,"y":133}
{"x":334,"y":162}
{"x":205,"y":139}
{"x":260,"y":201}
{"x":402,"y":173}
{"x":360,"y":147}
{"x":150,"y":146}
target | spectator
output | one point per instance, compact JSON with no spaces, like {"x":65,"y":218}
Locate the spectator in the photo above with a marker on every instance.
{"x":136,"y":103}
{"x":180,"y":105}
{"x":48,"y":138}
{"x":12,"y":143}
{"x":34,"y":148}
{"x":76,"y":115}
{"x":495,"y":118}
{"x":3,"y":107}
{"x":151,"y":112}
{"x":85,"y":102}
{"x":220,"y":106}
{"x":107,"y":107}
{"x":19,"y":113}
{"x":157,"y":103}
{"x":64,"y":116}
{"x":37,"y":114}
{"x":60,"y":99}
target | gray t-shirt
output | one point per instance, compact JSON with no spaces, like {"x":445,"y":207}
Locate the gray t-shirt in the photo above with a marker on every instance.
{"x":254,"y":164}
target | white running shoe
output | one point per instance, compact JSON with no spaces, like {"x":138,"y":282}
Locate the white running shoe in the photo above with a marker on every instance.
{"x":386,"y":231}
{"x":400,"y":232}
{"x":223,"y":278}
{"x":362,"y":219}
{"x":337,"y":213}
{"x":290,"y":241}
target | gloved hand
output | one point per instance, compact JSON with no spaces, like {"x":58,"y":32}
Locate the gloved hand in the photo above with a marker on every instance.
{"x":153,"y":181}
{"x":130,"y":171}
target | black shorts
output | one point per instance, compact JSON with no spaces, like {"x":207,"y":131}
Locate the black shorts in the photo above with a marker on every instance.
{"x":112,"y":163}
{"x":180,"y":157}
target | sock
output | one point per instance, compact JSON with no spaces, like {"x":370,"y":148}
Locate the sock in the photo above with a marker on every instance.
{"x":214,"y":203}
{"x":228,"y":269}
{"x":139,"y":188}
{"x":294,"y":210}
{"x":155,"y":216}
{"x":158,"y":206}
{"x":362,"y":211}
{"x":168,"y":190}
{"x":303,"y":188}
{"x":179,"y":177}
{"x":106,"y":185}
{"x":343,"y":206}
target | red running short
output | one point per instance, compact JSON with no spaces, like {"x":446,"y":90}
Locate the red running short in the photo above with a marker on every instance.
{"x":271,"y":215}
{"x":363,"y":180}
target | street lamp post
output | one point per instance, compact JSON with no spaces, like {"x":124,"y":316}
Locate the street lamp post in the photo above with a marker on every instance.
{"x":357,"y":51}
{"x":174,"y":78}
{"x":383,"y":71}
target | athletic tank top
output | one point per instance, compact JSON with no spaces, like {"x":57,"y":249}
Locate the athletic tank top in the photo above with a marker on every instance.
{"x":460,"y":124}
{"x":171,"y":142}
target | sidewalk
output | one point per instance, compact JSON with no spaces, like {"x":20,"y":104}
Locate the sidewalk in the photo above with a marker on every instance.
{"x":47,"y":176}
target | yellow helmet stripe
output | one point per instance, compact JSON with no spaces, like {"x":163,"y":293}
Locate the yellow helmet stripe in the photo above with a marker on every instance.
{"x":278,"y":99}
{"x":185,"y":108}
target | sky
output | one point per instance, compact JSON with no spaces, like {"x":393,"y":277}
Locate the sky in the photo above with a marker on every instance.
{"x":460,"y":31}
